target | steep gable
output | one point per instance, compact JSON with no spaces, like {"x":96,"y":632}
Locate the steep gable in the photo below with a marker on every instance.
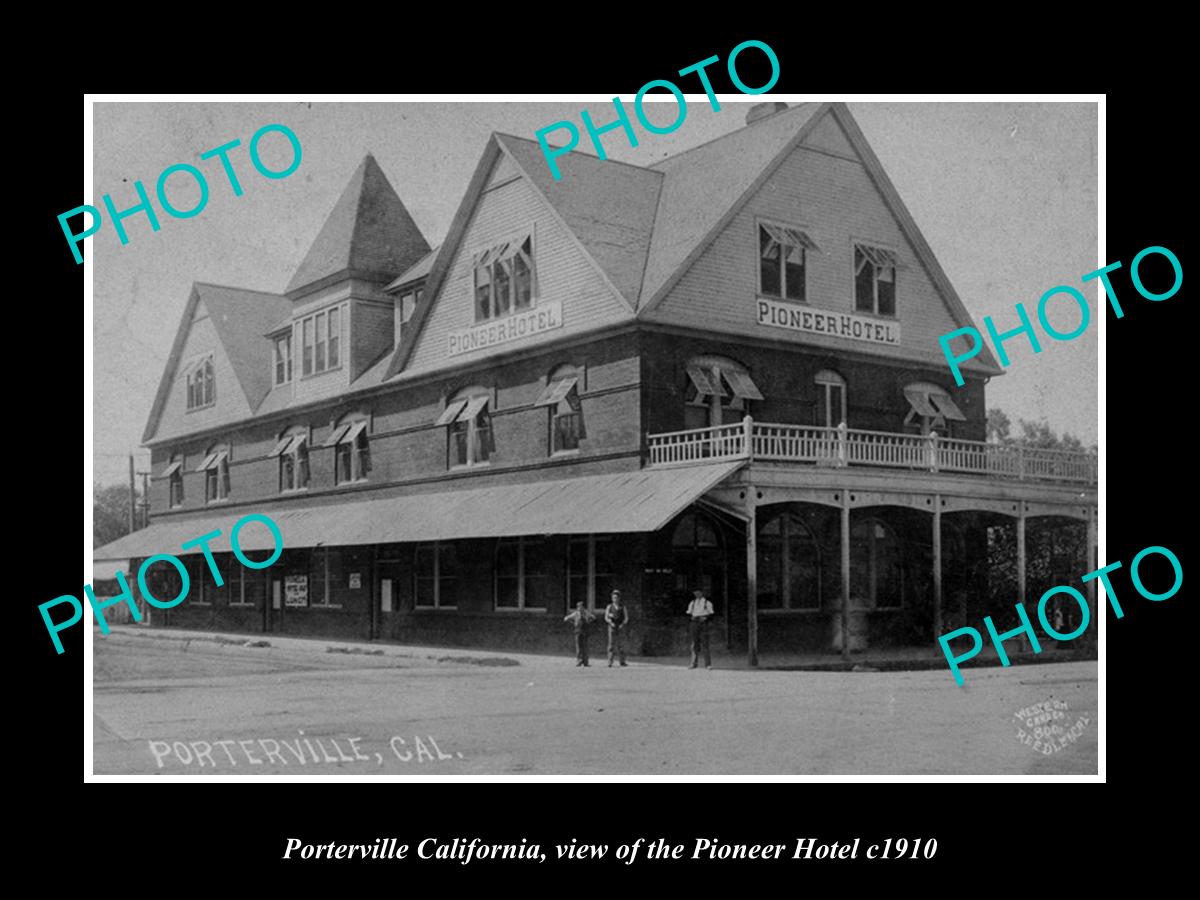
{"x":827,"y":182}
{"x":369,"y":234}
{"x":229,"y":324}
{"x":574,"y":290}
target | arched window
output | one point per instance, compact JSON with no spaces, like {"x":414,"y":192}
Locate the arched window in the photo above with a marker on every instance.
{"x":201,"y":384}
{"x":520,"y":573}
{"x":468,"y":424}
{"x":831,"y":399}
{"x":561,"y":397}
{"x":351,"y":449}
{"x":174,"y":475}
{"x":930,"y":408}
{"x":216,"y":473}
{"x":876,"y":571}
{"x":292,"y":450}
{"x":718,"y":391}
{"x":789,"y":564}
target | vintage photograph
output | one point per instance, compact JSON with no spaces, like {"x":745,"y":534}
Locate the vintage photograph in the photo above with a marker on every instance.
{"x":426,"y":446}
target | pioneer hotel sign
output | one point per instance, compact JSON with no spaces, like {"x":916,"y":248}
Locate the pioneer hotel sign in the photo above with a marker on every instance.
{"x":858,"y":328}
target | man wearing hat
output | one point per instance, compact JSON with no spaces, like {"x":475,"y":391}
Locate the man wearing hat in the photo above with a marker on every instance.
{"x":617,"y":617}
{"x":700,"y":610}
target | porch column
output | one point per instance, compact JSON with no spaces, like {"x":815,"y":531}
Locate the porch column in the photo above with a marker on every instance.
{"x":845,"y":573}
{"x":1021,"y":552}
{"x":937,"y":566}
{"x":1093,"y":563}
{"x":751,"y":576}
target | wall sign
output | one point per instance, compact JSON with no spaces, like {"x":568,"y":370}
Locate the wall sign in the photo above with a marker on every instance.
{"x":813,"y":321}
{"x":295,"y":590}
{"x":355,"y":580}
{"x":546,"y":317}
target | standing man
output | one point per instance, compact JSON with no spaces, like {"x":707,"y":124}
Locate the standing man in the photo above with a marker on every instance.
{"x":700,"y":610}
{"x":582,"y":620}
{"x":617,"y":617}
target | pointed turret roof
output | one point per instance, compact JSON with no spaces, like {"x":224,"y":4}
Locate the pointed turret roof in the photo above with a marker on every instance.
{"x":369,"y":234}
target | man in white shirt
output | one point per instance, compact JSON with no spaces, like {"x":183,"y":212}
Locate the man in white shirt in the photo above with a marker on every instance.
{"x":700,"y":610}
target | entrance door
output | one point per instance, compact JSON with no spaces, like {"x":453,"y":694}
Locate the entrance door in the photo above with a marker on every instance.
{"x":273,"y":610}
{"x":698,"y":561}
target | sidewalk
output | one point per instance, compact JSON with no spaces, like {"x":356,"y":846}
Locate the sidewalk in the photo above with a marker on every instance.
{"x":882,"y":659}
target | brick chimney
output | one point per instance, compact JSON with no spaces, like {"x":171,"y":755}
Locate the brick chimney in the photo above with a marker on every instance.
{"x":762,"y":110}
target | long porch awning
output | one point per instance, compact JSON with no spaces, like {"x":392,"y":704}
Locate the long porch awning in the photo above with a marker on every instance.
{"x":639,"y":501}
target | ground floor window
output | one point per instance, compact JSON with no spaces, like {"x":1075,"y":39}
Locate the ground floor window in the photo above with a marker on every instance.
{"x":436,"y":576}
{"x":876,"y":570}
{"x":789,"y":564}
{"x":521,"y":573}
{"x":589,"y":571}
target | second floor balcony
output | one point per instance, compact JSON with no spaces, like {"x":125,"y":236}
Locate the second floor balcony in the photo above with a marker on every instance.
{"x":842,"y":446}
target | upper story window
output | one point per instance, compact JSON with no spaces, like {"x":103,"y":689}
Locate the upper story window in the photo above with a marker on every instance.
{"x":469,"y":428}
{"x":292,"y":450}
{"x":875,"y":280}
{"x":931,"y":408}
{"x":504,"y":279}
{"x":283,"y":359}
{"x":201,"y":384}
{"x":174,"y":475}
{"x":717,"y":392}
{"x":406,"y":305}
{"x":216,"y":473}
{"x":351,"y":451}
{"x":831,"y":399}
{"x":561,"y":395}
{"x":782,"y":261}
{"x":321,"y":341}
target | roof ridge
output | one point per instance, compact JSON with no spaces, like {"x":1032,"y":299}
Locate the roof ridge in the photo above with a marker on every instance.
{"x":727,"y":134}
{"x":619,"y":162}
{"x":230,"y":287}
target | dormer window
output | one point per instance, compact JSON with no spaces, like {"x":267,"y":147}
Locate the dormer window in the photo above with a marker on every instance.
{"x":321,"y":341}
{"x":201,"y":384}
{"x":406,"y":305}
{"x":283,"y":359}
{"x":504,"y":279}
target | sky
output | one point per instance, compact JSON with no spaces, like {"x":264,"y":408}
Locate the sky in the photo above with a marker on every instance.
{"x":1004,"y":193}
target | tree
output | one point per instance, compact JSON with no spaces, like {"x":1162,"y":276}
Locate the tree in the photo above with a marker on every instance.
{"x":110,"y":513}
{"x":1031,"y":433}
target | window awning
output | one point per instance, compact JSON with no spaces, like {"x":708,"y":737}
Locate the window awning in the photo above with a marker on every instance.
{"x":213,"y":460}
{"x":474,"y":406}
{"x":171,"y":469}
{"x":279,"y":449}
{"x":556,"y":391}
{"x":703,"y":381}
{"x":353,"y":432}
{"x":450,"y":413}
{"x":793,"y":236}
{"x":947,"y":407}
{"x":919,"y":401}
{"x":880,"y":257}
{"x":206,"y":463}
{"x":742,"y":384}
{"x":335,"y":436}
{"x":638,"y":501}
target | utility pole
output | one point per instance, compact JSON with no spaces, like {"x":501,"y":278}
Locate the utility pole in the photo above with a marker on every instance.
{"x":132,"y":496}
{"x":145,"y":499}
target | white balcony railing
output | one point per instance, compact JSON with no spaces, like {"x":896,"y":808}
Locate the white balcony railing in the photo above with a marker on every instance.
{"x":855,"y":447}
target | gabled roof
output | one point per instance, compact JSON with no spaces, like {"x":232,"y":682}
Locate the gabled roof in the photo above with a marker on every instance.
{"x":705,"y":185}
{"x":369,"y":234}
{"x":609,"y":206}
{"x":240,"y":318}
{"x":419,"y":270}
